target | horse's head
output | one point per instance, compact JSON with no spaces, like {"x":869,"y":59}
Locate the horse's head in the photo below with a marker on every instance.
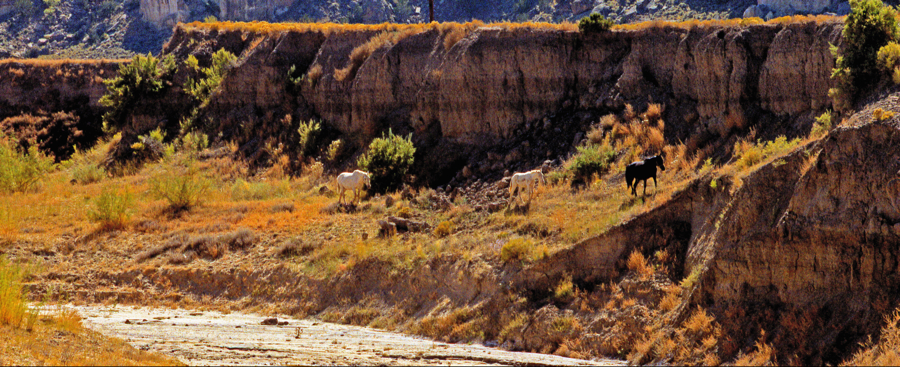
{"x":367,"y":183}
{"x":658,"y":160}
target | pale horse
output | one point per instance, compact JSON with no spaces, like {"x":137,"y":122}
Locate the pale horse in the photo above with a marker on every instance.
{"x":524,"y":181}
{"x":356,"y":180}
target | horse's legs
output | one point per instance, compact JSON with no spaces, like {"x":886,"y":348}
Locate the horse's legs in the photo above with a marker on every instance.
{"x":655,"y":185}
{"x":645,"y":187}
{"x":340,"y":198}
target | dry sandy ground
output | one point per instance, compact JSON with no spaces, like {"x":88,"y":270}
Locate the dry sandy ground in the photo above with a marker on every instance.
{"x":213,"y":338}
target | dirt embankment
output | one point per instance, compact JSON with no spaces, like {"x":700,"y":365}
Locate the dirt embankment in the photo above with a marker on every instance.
{"x":34,"y":90}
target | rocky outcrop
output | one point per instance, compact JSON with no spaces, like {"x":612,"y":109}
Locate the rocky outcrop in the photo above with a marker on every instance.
{"x":246,"y":10}
{"x":787,"y":7}
{"x":164,"y":13}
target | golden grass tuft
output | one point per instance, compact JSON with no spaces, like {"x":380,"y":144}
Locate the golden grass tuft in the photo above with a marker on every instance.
{"x":637,"y":263}
{"x":764,"y":354}
{"x":884,"y":352}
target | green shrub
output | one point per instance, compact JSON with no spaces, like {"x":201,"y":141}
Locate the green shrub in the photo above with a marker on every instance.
{"x":212,"y":76}
{"x":387,"y":161}
{"x":182,"y":190}
{"x":309,"y":132}
{"x":594,"y":23}
{"x":194,"y":142}
{"x":20,"y":172}
{"x":110,"y":209}
{"x":590,"y":160}
{"x":335,"y":150}
{"x":870,"y":26}
{"x":823,"y":124}
{"x":51,"y":6}
{"x":142,"y":78}
{"x":210,"y":19}
{"x":750,"y":155}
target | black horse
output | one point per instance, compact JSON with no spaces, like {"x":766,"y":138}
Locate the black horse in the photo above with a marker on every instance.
{"x":641,"y":171}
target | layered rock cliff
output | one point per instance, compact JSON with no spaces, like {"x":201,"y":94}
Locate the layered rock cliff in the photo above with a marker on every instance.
{"x":495,"y":84}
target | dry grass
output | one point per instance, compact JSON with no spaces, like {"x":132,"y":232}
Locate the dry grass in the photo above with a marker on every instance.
{"x":265,"y":28}
{"x":727,"y":23}
{"x":884,"y":352}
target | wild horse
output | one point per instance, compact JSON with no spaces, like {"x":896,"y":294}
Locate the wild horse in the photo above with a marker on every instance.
{"x":641,"y":171}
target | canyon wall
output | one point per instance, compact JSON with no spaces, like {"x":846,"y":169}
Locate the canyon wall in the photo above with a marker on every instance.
{"x":495,"y":84}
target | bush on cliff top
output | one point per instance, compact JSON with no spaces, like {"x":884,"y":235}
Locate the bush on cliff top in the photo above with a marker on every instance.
{"x":387,"y":161}
{"x":870,"y":26}
{"x":145,"y":76}
{"x":594,"y":23}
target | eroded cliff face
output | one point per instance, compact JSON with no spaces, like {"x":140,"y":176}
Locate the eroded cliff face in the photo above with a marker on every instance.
{"x":496,"y":83}
{"x":805,"y":248}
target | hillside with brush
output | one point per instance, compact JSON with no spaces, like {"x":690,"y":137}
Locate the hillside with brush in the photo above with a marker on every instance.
{"x":204,"y":178}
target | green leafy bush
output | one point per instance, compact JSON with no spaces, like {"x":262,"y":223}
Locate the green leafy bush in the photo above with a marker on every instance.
{"x":870,"y":26}
{"x":20,"y":172}
{"x":594,"y":23}
{"x":212,"y":76}
{"x":182,"y":190}
{"x":335,"y":150}
{"x":51,"y":6}
{"x":590,"y":160}
{"x":110,"y":209}
{"x":889,"y":60}
{"x":194,"y":142}
{"x":823,"y":124}
{"x":387,"y":161}
{"x":309,"y":132}
{"x":142,"y":78}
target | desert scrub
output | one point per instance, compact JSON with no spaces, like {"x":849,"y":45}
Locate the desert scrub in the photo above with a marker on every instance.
{"x":209,"y":77}
{"x":20,"y":172}
{"x":144,"y":77}
{"x":594,"y":23}
{"x":749,"y":154}
{"x":387,"y":161}
{"x":822,"y":125}
{"x":516,"y":249}
{"x":889,"y":61}
{"x":590,"y":160}
{"x":870,"y":26}
{"x":183,"y":188}
{"x":110,"y":209}
{"x":308,"y":136}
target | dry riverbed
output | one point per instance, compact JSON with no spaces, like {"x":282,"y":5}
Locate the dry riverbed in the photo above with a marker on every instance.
{"x":214,"y":338}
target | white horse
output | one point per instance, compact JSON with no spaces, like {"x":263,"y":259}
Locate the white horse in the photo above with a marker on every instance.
{"x":356,"y":180}
{"x":525,"y":181}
